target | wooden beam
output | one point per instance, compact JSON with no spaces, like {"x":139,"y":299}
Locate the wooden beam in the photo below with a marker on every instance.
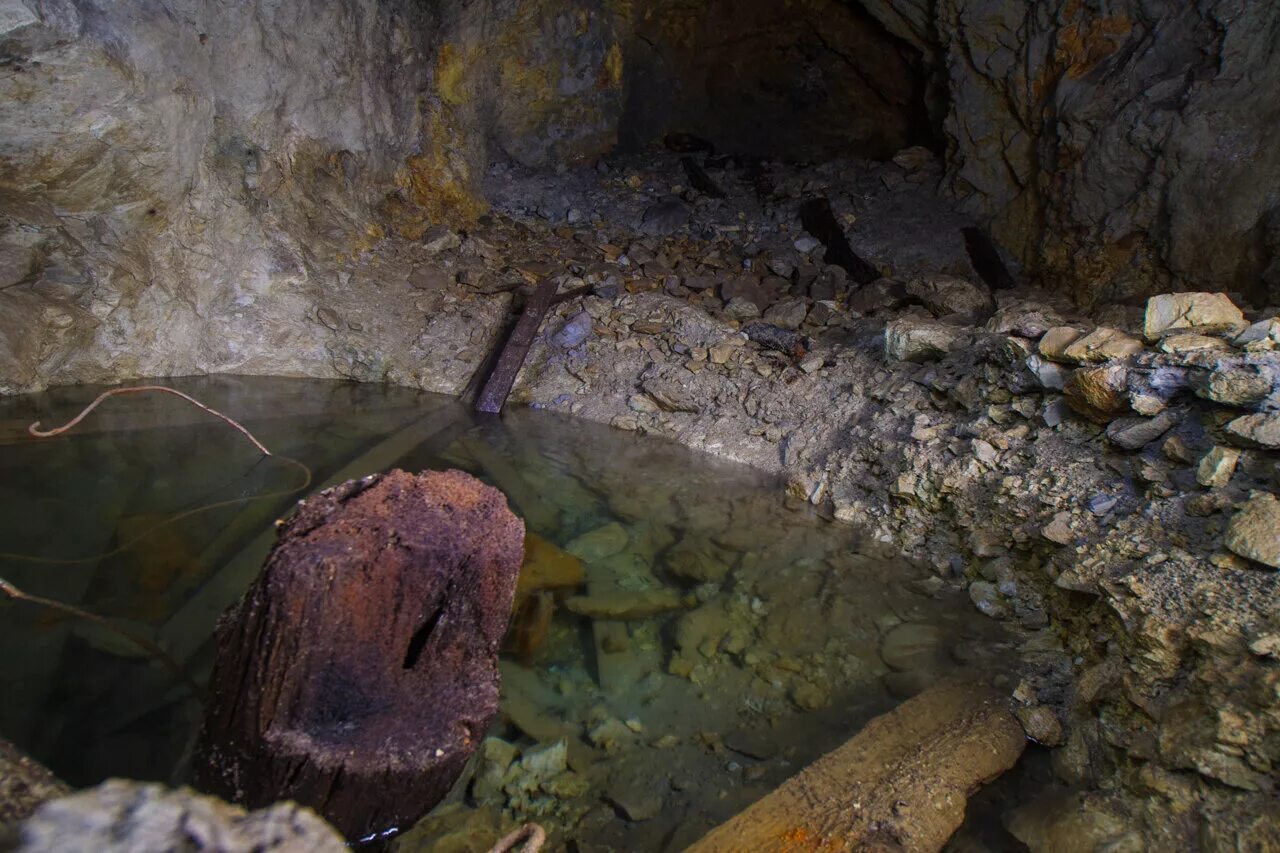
{"x":901,"y":784}
{"x":494,"y":394}
{"x":818,"y":219}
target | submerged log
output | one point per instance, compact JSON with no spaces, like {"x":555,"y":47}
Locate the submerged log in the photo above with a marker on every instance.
{"x":359,"y":672}
{"x":901,"y":784}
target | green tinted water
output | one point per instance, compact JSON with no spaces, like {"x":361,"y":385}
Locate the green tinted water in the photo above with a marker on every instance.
{"x":780,"y":634}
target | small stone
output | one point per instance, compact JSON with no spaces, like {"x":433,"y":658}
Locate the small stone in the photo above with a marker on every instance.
{"x":721,"y":352}
{"x":1102,"y":504}
{"x":1217,"y":466}
{"x":1188,"y":344}
{"x":1023,"y":318}
{"x":600,"y":543}
{"x":1098,"y":393}
{"x":812,"y":363}
{"x":914,"y":158}
{"x":740,"y":308}
{"x":1136,"y":433}
{"x":610,"y":734}
{"x":328,"y":318}
{"x":1176,"y":450}
{"x":945,"y":294}
{"x":1054,"y":343}
{"x":1051,"y":376}
{"x":984,"y":452}
{"x":664,"y":218}
{"x":986,"y":597}
{"x":1254,"y":531}
{"x":1262,"y":336}
{"x":788,"y":314}
{"x":574,"y":331}
{"x":642,"y":404}
{"x":637,"y":799}
{"x":1102,"y":344}
{"x":805,"y":245}
{"x":1059,"y":530}
{"x":440,"y":238}
{"x":1041,"y":724}
{"x":909,"y":340}
{"x":809,"y":696}
{"x":1205,"y":312}
{"x":1260,"y":430}
{"x":431,"y":279}
{"x":911,"y":646}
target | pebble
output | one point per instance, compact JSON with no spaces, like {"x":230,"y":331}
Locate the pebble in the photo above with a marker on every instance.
{"x":1254,"y":531}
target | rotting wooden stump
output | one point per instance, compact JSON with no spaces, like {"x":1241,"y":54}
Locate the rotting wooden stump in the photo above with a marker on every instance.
{"x":901,"y":784}
{"x":359,"y":672}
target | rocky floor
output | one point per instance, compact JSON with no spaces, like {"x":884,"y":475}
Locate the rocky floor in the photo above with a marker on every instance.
{"x":1109,"y":476}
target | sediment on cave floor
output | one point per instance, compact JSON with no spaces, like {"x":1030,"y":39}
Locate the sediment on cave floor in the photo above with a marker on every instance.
{"x":986,"y":298}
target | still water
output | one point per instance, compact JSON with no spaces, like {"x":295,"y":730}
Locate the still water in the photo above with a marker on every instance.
{"x":686,"y":638}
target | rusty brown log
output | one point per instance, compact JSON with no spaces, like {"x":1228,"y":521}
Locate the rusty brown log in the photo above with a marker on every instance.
{"x":901,"y":784}
{"x":359,"y":672}
{"x":494,"y":393}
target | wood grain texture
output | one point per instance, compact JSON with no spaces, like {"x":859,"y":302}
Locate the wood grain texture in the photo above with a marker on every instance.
{"x":901,"y":784}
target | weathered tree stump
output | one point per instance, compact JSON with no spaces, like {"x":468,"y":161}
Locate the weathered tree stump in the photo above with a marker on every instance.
{"x":359,"y":672}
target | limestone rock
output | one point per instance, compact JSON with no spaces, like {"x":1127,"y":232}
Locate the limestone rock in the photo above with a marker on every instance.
{"x":1217,"y":466}
{"x":1040,"y":723}
{"x":1188,"y":343}
{"x":1102,"y":344}
{"x":1023,"y":318}
{"x":1235,"y":382}
{"x":911,"y":340}
{"x":599,"y":544}
{"x":1254,"y":531}
{"x":1262,"y":336}
{"x":1136,"y":433}
{"x":1203,"y":312}
{"x":1098,"y":393}
{"x":787,"y":314}
{"x":1054,"y":342}
{"x":1258,"y":430}
{"x":120,"y":816}
{"x":944,"y":294}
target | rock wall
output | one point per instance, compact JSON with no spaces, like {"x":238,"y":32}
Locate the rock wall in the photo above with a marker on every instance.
{"x":1119,"y":149}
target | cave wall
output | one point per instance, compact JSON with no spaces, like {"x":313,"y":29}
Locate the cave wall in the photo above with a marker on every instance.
{"x":1118,"y":147}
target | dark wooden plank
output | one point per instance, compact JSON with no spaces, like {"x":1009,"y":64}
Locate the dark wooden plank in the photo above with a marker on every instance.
{"x":986,"y":259}
{"x":494,"y":394}
{"x":818,"y":219}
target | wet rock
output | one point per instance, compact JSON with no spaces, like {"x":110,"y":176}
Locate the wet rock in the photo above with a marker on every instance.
{"x":1259,"y":430}
{"x":809,"y":696}
{"x":600,"y":544}
{"x":1217,"y":466}
{"x":698,"y":560}
{"x":636,"y":798}
{"x":1102,"y":344}
{"x":665,"y":217}
{"x":121,"y":816}
{"x":911,"y":646}
{"x":626,"y":605}
{"x":986,"y":597}
{"x":1202,"y":312}
{"x":912,"y":340}
{"x":1254,"y":531}
{"x":1136,"y":433}
{"x":1098,"y":393}
{"x":944,"y":295}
